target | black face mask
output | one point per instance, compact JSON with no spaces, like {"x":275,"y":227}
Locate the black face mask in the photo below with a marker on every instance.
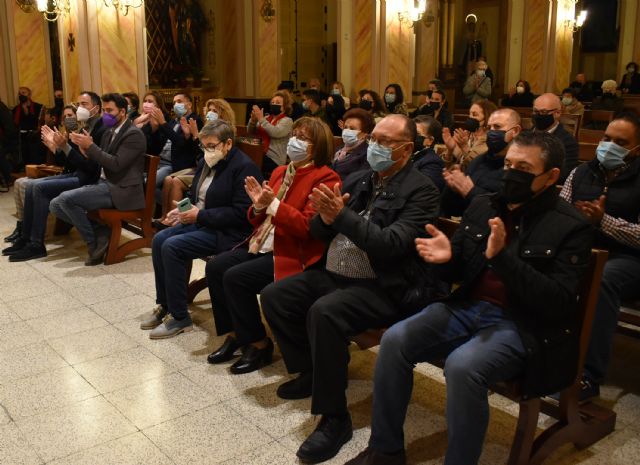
{"x":59,"y":102}
{"x":542,"y":122}
{"x":275,"y":109}
{"x":435,"y":106}
{"x":366,"y":104}
{"x":471,"y":125}
{"x":23,"y":98}
{"x":495,"y":140}
{"x":516,"y":185}
{"x":419,"y":143}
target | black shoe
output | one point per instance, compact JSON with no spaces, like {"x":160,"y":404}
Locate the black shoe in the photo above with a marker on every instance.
{"x":297,"y":388}
{"x":15,"y":235}
{"x":159,"y":225}
{"x":30,"y":251}
{"x":225,"y":352}
{"x":253,"y":359}
{"x":588,"y":390}
{"x":17,"y":246}
{"x":96,"y":254}
{"x":325,"y":442}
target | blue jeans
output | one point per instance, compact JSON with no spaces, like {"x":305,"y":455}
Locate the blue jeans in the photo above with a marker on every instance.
{"x":165,"y":168}
{"x":72,"y":207}
{"x":481,"y":345}
{"x":36,"y":203}
{"x":620,"y":281}
{"x":172,"y":249}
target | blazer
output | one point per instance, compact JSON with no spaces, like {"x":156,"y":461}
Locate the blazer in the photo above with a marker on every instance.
{"x":294,"y":248}
{"x":226,"y":201}
{"x":123,"y":162}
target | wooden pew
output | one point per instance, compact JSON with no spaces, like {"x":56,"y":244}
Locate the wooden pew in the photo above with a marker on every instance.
{"x":571,"y":123}
{"x":138,"y":221}
{"x":252,"y":147}
{"x":592,"y":136}
{"x":587,"y":151}
{"x":596,"y":116}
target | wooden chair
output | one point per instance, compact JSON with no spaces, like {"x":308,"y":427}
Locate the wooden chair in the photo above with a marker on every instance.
{"x":241,"y":131}
{"x":571,"y":123}
{"x":524,"y":112}
{"x":587,"y":151}
{"x":527,"y":123}
{"x":592,"y":136}
{"x":138,"y":221}
{"x":597,"y":116}
{"x":252,"y":149}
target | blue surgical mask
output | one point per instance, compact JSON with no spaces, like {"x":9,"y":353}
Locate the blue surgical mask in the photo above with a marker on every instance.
{"x":389,"y":98}
{"x":297,"y":149}
{"x":335,"y":91}
{"x":305,"y":105}
{"x":611,"y":155}
{"x":350,"y":136}
{"x":179,"y":109}
{"x":212,"y":116}
{"x":379,"y":157}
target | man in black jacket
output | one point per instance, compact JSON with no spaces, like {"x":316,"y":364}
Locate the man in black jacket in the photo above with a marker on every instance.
{"x":607,"y":191}
{"x":372,"y":278}
{"x":547,"y":110}
{"x":519,"y":257}
{"x":8,"y":144}
{"x":484,"y":173}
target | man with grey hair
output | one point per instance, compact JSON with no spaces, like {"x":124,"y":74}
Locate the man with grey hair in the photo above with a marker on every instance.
{"x":215,"y":220}
{"x":547,"y":110}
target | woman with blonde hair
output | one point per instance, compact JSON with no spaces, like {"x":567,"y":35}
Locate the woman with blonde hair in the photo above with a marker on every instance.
{"x":337,"y":88}
{"x":215,"y":108}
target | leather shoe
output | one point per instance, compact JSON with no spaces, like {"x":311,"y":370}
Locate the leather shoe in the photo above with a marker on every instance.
{"x":15,"y":235}
{"x":30,"y":251}
{"x":297,"y":388}
{"x":253,"y":359}
{"x":96,"y":256}
{"x":373,"y":457}
{"x":325,"y":442}
{"x":17,"y":246}
{"x":225,"y":352}
{"x":159,"y":225}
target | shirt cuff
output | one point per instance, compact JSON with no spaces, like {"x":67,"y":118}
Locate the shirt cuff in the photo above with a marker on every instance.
{"x":272,"y":209}
{"x":66,"y":149}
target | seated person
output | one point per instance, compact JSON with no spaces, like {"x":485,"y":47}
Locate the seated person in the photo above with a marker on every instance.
{"x":582,"y":88}
{"x":478,"y":85}
{"x":352,"y":156}
{"x":312,"y":104}
{"x":296,"y":108}
{"x":121,"y":155}
{"x":609,"y":99}
{"x":495,"y":325}
{"x":547,"y":110}
{"x":484,"y":173}
{"x":335,"y":113}
{"x":436,"y":108}
{"x":519,"y":96}
{"x":218,"y":108}
{"x":274,"y":130}
{"x":78,"y":171}
{"x":470,"y":140}
{"x":88,"y":117}
{"x":570,"y":104}
{"x":607,"y":191}
{"x":424,"y":158}
{"x":133,"y":105}
{"x":372,"y":278}
{"x":216,"y":222}
{"x":337,"y":88}
{"x":280,"y":246}
{"x":394,"y":100}
{"x":631,"y":80}
{"x":173,"y":141}
{"x":370,"y":101}
{"x":146,"y":121}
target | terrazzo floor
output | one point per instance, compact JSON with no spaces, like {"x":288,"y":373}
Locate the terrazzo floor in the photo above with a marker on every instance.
{"x":80,"y":383}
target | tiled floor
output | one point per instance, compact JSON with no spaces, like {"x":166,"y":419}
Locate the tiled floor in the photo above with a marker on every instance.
{"x":80,"y":383}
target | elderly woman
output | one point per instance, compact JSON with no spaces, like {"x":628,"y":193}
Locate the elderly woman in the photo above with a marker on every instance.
{"x":478,"y":85}
{"x":352,"y":157}
{"x":280,"y":245}
{"x":609,"y":99}
{"x":218,"y":108}
{"x":274,"y":129}
{"x":214,"y":221}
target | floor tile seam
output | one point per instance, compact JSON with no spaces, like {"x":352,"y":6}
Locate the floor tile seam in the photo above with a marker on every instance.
{"x":54,"y":312}
{"x":253,"y":421}
{"x":49,"y":410}
{"x":84,"y":449}
{"x":45,"y":338}
{"x":158,"y":447}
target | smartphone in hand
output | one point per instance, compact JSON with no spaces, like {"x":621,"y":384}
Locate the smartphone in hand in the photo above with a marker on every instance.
{"x":184,"y":205}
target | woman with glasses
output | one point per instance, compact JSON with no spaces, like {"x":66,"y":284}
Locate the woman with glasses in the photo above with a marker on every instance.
{"x":210,"y":221}
{"x":280,"y":245}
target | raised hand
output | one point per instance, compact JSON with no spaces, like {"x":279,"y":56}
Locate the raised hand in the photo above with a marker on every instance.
{"x":435,"y":249}
{"x":157,"y":115}
{"x":327,"y":202}
{"x":193,"y":126}
{"x":458,"y":181}
{"x":497,"y":238}
{"x":186,"y":129}
{"x":593,"y":209}
{"x":261,"y":195}
{"x":449,"y":141}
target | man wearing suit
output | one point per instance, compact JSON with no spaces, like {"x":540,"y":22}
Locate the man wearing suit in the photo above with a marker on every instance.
{"x":121,"y":155}
{"x":546,"y":117}
{"x":78,"y":171}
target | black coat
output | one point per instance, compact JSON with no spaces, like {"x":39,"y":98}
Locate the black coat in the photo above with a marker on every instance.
{"x":355,"y":161}
{"x":519,"y":100}
{"x":431,"y":165}
{"x":398,"y":215}
{"x":226,"y":201}
{"x":183,"y":151}
{"x":571,"y":151}
{"x":632,"y":85}
{"x":541,"y":268}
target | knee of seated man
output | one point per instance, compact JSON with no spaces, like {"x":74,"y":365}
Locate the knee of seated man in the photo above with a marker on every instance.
{"x":461,"y":366}
{"x":268,"y":295}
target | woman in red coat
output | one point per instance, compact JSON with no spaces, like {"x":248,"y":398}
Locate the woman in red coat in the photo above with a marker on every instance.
{"x":280,"y":245}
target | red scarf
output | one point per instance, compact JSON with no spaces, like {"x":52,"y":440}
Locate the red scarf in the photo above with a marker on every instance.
{"x":264,"y":135}
{"x":18,"y":116}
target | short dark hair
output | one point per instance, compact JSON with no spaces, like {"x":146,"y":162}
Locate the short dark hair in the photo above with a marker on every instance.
{"x":119,"y":100}
{"x":569,"y":90}
{"x":441,"y":92}
{"x":552,"y":150}
{"x":95,"y":98}
{"x":434,"y":128}
{"x":135,"y":100}
{"x":321,"y":138}
{"x":367,"y":122}
{"x":185,"y":94}
{"x":314,"y":95}
{"x":631,"y":118}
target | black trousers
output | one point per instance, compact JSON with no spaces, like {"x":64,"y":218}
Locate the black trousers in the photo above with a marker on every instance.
{"x":235,"y":278}
{"x":312,"y":316}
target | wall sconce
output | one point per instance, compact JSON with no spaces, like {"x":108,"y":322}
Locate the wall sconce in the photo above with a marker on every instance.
{"x":412,"y":15}
{"x":574,"y":24}
{"x":267,"y":11}
{"x":123,"y":5}
{"x":51,"y":9}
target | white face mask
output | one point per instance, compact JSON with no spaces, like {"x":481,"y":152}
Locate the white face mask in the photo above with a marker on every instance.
{"x":212,"y":157}
{"x":83,"y":114}
{"x":520,"y":89}
{"x":297,"y":149}
{"x":212,"y":115}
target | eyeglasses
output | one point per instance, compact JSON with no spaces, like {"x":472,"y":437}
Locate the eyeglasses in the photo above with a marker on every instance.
{"x":301,"y":136}
{"x":544,"y":112}
{"x":384,"y":142}
{"x":209,"y":148}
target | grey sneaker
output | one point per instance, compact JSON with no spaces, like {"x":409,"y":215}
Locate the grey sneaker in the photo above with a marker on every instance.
{"x":154,"y":319}
{"x":171,"y":327}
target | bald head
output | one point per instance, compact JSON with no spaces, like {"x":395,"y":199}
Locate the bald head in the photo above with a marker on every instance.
{"x":509,"y":116}
{"x":545,"y":105}
{"x":547,"y":101}
{"x":398,"y":133}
